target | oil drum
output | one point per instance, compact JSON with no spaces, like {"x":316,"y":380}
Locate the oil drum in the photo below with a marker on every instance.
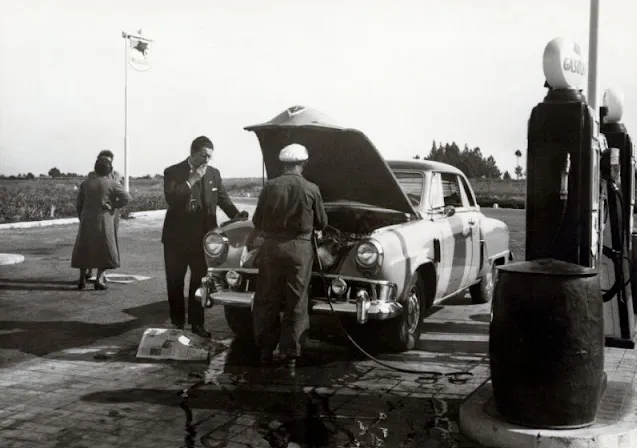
{"x":546,"y":344}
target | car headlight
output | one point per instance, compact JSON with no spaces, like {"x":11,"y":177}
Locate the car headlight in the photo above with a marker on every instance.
{"x":369,"y":254}
{"x":233,"y":278}
{"x":216,"y":245}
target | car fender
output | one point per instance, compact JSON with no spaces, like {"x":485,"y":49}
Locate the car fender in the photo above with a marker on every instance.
{"x":494,"y":243}
{"x":406,"y":247}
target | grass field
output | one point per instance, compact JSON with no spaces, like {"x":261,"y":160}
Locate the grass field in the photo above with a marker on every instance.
{"x":34,"y":200}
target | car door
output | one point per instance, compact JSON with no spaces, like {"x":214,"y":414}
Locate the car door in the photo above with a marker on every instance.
{"x":472,"y":214}
{"x":460,"y":228}
{"x":436,"y":210}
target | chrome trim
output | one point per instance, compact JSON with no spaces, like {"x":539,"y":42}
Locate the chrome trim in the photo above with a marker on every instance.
{"x":233,"y":298}
{"x":376,"y":311}
{"x":362,"y":306}
{"x":239,"y":270}
{"x":222,"y":271}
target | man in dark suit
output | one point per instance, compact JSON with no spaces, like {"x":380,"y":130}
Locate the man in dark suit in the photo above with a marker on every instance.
{"x":193,"y":190}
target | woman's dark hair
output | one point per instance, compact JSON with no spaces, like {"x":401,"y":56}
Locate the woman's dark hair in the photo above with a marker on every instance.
{"x":106,"y":153}
{"x":199,"y":143}
{"x":103,"y":166}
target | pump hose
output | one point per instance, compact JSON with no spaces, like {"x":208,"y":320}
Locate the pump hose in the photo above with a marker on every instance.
{"x":617,"y":256}
{"x":428,"y":375}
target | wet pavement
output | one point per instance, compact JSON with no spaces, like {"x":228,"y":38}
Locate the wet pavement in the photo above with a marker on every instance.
{"x":70,"y":377}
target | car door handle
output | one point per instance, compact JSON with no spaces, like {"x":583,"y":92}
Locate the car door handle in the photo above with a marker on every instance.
{"x":471,"y":222}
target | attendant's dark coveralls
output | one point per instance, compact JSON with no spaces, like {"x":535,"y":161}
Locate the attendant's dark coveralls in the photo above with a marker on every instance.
{"x":192,"y":212}
{"x":289,"y":209}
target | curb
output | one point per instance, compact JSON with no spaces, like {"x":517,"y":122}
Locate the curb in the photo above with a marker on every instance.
{"x":65,"y":221}
{"x":480,"y":425}
{"x":7,"y":259}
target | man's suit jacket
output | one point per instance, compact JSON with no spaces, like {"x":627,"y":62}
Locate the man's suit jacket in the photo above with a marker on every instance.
{"x":182,"y":226}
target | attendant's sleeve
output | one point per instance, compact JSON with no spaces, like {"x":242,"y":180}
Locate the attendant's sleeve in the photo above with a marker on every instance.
{"x":257,"y":218}
{"x":320,"y":217}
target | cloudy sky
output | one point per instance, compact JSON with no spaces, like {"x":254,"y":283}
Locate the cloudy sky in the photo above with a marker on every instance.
{"x":405,"y":72}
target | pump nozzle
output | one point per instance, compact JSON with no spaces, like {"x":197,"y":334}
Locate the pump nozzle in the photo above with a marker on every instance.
{"x":564,"y":178}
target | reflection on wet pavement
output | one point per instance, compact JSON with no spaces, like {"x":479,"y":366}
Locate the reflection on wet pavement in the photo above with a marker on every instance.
{"x":301,"y":410}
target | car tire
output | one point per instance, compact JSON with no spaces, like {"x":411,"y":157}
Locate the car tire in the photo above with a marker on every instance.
{"x":403,"y":332}
{"x":239,"y":319}
{"x":483,"y":291}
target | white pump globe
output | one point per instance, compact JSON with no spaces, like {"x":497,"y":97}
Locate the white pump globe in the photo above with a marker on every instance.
{"x":564,"y":67}
{"x":614,"y":101}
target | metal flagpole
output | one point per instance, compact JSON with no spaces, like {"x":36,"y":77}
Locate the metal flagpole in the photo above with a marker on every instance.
{"x":592,"y":56}
{"x":126,"y":55}
{"x":127,"y":37}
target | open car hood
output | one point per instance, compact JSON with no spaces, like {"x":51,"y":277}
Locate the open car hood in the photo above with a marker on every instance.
{"x":343,"y":162}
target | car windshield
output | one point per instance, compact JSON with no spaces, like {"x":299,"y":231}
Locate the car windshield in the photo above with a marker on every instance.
{"x":412,"y":185}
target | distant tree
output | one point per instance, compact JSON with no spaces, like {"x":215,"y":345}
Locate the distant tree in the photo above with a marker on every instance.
{"x":506,"y":176}
{"x":518,"y":167}
{"x":54,"y":172}
{"x":30,"y":176}
{"x":469,"y":161}
{"x":416,"y":157}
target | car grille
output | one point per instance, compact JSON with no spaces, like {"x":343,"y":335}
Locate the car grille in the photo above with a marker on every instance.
{"x":318,"y":288}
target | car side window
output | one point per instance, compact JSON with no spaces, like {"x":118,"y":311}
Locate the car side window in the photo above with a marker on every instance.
{"x":467,"y":190}
{"x":451,"y":190}
{"x":436,"y":199}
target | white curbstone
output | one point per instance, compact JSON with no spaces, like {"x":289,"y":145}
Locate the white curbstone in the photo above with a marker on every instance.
{"x":6,"y":259}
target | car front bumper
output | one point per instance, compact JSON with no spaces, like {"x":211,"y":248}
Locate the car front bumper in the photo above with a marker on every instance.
{"x":379,"y":305}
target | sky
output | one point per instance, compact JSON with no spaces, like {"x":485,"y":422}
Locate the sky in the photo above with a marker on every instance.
{"x":405,"y":72}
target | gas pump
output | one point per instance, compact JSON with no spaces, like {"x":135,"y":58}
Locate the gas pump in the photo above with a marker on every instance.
{"x":564,"y":148}
{"x":618,"y":274}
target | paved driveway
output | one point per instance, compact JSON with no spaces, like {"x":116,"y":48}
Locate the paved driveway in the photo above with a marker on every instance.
{"x":68,"y":366}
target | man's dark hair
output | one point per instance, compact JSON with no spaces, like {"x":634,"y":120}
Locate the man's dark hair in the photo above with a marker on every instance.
{"x":103,"y":166}
{"x":106,"y":153}
{"x":199,"y":143}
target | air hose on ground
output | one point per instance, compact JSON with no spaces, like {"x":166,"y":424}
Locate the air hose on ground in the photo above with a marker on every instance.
{"x":431,"y":376}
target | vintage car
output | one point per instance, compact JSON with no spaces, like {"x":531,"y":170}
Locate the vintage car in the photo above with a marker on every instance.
{"x":402,"y":235}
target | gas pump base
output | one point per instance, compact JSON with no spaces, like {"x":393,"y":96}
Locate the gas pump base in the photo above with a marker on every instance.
{"x":611,"y":341}
{"x":615,"y":425}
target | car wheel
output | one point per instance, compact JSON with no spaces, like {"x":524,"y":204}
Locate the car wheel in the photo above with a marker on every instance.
{"x":239,"y":320}
{"x":483,"y":291}
{"x":403,"y":332}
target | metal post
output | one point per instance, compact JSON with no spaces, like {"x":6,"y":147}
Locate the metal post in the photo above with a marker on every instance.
{"x":126,"y":55}
{"x":127,"y":38}
{"x":592,"y":57}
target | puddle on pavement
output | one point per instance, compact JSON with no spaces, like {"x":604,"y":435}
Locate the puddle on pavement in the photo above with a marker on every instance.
{"x":301,"y":414}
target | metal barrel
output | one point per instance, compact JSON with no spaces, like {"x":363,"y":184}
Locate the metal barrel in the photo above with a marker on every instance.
{"x":633,"y":269}
{"x":546,"y":344}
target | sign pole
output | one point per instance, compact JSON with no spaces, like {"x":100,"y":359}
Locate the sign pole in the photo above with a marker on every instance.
{"x":592,"y":56}
{"x":141,"y":47}
{"x":126,"y":55}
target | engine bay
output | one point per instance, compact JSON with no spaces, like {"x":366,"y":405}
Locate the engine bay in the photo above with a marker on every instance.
{"x":348,"y":225}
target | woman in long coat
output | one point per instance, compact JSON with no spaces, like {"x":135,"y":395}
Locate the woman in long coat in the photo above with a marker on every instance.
{"x":96,"y":243}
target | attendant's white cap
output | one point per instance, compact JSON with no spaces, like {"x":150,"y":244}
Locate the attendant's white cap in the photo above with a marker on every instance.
{"x":293,"y":153}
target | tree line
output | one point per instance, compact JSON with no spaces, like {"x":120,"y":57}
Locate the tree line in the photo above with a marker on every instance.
{"x":470,"y":161}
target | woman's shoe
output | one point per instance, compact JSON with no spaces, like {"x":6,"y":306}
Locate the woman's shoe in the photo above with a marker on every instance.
{"x":81,"y":285}
{"x":100,"y":286}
